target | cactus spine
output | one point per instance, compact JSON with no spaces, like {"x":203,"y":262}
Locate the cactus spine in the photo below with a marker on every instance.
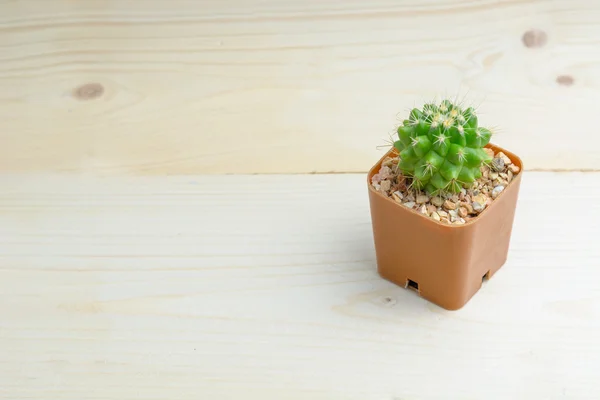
{"x":441,"y":147}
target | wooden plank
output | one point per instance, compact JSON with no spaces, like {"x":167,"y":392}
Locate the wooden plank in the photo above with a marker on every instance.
{"x":265,"y":287}
{"x":156,"y":86}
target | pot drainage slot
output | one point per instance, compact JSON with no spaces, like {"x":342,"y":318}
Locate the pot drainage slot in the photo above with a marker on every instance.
{"x":485,"y":277}
{"x":412,"y":285}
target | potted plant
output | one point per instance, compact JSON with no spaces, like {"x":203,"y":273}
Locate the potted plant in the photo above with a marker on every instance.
{"x":442,"y":204}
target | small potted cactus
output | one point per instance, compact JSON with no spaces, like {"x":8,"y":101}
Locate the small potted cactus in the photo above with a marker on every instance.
{"x":443,"y":202}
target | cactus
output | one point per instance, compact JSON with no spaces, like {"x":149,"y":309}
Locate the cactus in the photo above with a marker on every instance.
{"x":441,"y":147}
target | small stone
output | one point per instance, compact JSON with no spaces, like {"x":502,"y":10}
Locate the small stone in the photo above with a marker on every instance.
{"x":437,"y":201}
{"x":480,"y":198}
{"x":504,"y":158}
{"x":514,"y":168}
{"x":453,"y":215}
{"x":497,"y":190}
{"x":385,"y":172}
{"x":449,"y":205}
{"x":493,"y":175}
{"x":510,"y":175}
{"x":498,"y":164}
{"x":484,"y":169}
{"x":500,"y":182}
{"x":478,"y":207}
{"x":504,"y":175}
{"x":463,"y":212}
{"x":490,"y":152}
{"x":409,"y":204}
{"x":436,"y":216}
{"x":388,"y":162}
{"x":421,"y":198}
{"x":375,"y":179}
{"x":459,"y":221}
{"x":454,"y":198}
{"x":469,"y":208}
{"x":386,"y":185}
{"x":431,"y":209}
{"x":442,"y":213}
{"x":410,"y":197}
{"x":397,"y":196}
{"x":423,"y":210}
{"x":446,"y":220}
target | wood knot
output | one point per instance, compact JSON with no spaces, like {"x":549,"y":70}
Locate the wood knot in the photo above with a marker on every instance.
{"x":565,"y":80}
{"x":88,"y":91}
{"x":534,"y":38}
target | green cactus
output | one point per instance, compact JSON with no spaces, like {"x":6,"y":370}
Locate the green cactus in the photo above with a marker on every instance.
{"x":441,"y":147}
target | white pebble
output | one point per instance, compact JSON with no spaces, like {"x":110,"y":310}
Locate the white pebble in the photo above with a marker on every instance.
{"x":478,"y":207}
{"x":497,"y":190}
{"x":453,"y":215}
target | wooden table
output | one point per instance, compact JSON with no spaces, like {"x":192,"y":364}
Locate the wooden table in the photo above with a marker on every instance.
{"x":265,"y":287}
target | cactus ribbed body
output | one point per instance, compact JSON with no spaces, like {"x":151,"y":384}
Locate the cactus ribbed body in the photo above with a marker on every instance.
{"x":441,"y":147}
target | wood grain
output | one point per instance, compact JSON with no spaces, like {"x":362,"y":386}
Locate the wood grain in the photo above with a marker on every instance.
{"x":264,"y":287}
{"x":185,"y":86}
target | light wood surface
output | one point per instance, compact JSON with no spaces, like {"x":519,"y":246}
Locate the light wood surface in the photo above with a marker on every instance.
{"x":212,"y":86}
{"x":264,"y":287}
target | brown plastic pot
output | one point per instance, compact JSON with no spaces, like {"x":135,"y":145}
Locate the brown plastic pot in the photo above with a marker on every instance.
{"x":444,"y":263}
